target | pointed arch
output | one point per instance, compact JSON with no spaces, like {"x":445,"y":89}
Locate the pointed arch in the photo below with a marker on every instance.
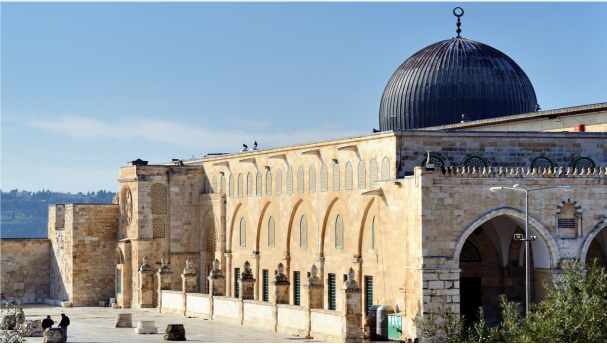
{"x":268,"y":183}
{"x":289,"y":180}
{"x":249,"y":184}
{"x":300,"y":180}
{"x":278,"y":182}
{"x":349,"y":176}
{"x":535,"y":225}
{"x":324,"y":178}
{"x":312,"y":179}
{"x":324,"y":224}
{"x":119,"y":257}
{"x":290,"y":226}
{"x":372,"y":173}
{"x":596,"y":229}
{"x":260,"y":224}
{"x":214,"y":184}
{"x":232,"y":224}
{"x":385,"y":169}
{"x":258,"y":184}
{"x":336,"y":179}
{"x":361,"y":232}
{"x":222,"y":184}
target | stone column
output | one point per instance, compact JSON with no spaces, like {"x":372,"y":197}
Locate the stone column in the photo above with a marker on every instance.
{"x":164,"y":280}
{"x":281,"y":286}
{"x":247,"y":282}
{"x":255,"y":256}
{"x":352,"y":317}
{"x":146,"y":285}
{"x":314,"y":292}
{"x":189,"y":283}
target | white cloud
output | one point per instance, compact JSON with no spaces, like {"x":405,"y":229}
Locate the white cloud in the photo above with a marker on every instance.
{"x":185,"y":135}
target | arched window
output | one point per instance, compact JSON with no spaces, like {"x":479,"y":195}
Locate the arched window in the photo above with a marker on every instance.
{"x":372,"y":173}
{"x":336,"y":177}
{"x":158,"y":228}
{"x":469,"y":253}
{"x":214,"y":184}
{"x":159,"y":199}
{"x":385,"y":169}
{"x":542,"y":162}
{"x":362,"y":175}
{"x":584,"y":163}
{"x":271,"y":232}
{"x":312,"y":179}
{"x":373,"y":233}
{"x":240,"y":186}
{"x":324,"y":178}
{"x":279,"y":182}
{"x":476,"y":161}
{"x":206,"y":186}
{"x":303,"y":232}
{"x":349,"y":176}
{"x":268,"y":183}
{"x":300,"y":180}
{"x":231,"y":185}
{"x":437,"y":161}
{"x":258,"y":184}
{"x":243,"y":232}
{"x":290,"y":180}
{"x":249,"y":184}
{"x":222,"y":184}
{"x":339,"y":232}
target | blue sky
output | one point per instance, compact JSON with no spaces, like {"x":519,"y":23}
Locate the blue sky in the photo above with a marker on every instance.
{"x":87,"y":87}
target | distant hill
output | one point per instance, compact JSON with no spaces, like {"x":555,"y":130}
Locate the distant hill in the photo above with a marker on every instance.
{"x":25,"y":214}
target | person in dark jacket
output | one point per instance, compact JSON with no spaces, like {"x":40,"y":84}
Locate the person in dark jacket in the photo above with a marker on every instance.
{"x":47,"y":323}
{"x":64,"y":323}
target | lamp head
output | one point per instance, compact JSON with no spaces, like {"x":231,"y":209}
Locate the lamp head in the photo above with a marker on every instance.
{"x":566,"y":188}
{"x":496,"y":189}
{"x":518,"y":187}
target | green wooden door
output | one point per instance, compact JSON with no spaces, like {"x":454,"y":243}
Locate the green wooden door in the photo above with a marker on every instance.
{"x":332,"y":292}
{"x":237,"y":283}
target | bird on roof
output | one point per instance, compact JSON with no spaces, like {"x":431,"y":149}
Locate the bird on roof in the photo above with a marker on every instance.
{"x":255,"y":145}
{"x":244,"y":148}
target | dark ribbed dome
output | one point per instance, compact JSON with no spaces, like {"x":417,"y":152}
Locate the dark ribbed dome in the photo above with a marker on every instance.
{"x":459,"y":76}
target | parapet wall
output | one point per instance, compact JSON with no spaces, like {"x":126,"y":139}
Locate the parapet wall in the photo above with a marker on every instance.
{"x":25,"y":269}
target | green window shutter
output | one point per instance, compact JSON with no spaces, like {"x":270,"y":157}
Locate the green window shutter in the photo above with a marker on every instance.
{"x":368,"y":293}
{"x":332,"y":292}
{"x":237,"y":283}
{"x":266,"y":286}
{"x":118,"y":281}
{"x":297,"y":293}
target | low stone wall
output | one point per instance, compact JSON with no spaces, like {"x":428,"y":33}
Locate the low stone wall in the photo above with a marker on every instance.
{"x":326,"y":325}
{"x":292,"y":320}
{"x":259,"y":314}
{"x":172,"y":302}
{"x":198,"y":305}
{"x":25,"y":269}
{"x":226,"y":308}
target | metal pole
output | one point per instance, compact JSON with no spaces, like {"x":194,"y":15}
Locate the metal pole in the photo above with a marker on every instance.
{"x":527,"y":267}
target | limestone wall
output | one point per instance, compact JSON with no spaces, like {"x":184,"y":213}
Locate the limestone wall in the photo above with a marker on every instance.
{"x":83,"y":253}
{"x":326,"y":325}
{"x":25,"y":269}
{"x":258,"y":314}
{"x":198,"y":305}
{"x":226,"y":308}
{"x":292,"y":320}
{"x":172,"y":302}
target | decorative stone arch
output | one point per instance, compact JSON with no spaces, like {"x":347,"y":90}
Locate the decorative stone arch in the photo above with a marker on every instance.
{"x":209,"y":219}
{"x":291,"y":222}
{"x":232,"y":224}
{"x":119,"y":257}
{"x":362,"y":226}
{"x":596,"y":229}
{"x":568,"y":219}
{"x":325,"y":222}
{"x":260,"y":224}
{"x":542,"y":231}
{"x":312,"y":179}
{"x":385,"y":168}
{"x":159,"y":198}
{"x":540,"y":161}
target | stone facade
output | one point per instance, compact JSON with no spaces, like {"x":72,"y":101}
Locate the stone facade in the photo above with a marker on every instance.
{"x":25,"y":269}
{"x":82,"y":260}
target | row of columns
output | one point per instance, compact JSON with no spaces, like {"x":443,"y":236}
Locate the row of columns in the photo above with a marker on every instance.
{"x":314,"y":289}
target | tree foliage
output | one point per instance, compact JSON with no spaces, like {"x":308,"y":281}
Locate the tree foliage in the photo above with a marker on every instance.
{"x":10,"y":332}
{"x":574,"y":311}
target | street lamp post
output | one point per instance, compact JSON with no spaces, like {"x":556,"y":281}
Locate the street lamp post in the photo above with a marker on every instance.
{"x":527,"y":239}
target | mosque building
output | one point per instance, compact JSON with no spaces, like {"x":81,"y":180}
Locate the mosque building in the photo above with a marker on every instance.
{"x":307,"y":238}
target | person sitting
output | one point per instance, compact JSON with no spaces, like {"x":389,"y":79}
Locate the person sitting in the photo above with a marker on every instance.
{"x":47,"y":323}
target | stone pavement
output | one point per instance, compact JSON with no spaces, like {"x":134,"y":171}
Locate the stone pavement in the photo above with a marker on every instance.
{"x":96,"y":325}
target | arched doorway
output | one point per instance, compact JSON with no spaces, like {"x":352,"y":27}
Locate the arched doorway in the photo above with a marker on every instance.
{"x":597,"y":249}
{"x":492,"y":264}
{"x":123,"y":288}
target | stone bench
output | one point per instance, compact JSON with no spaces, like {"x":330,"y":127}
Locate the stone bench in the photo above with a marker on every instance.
{"x":146,"y":327}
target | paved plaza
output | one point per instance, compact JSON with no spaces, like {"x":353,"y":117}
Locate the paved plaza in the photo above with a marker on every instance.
{"x":96,"y":325}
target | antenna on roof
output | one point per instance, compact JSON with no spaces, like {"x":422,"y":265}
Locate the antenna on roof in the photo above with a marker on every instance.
{"x":461,"y":13}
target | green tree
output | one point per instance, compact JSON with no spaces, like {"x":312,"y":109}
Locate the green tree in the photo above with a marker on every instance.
{"x":574,"y":311}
